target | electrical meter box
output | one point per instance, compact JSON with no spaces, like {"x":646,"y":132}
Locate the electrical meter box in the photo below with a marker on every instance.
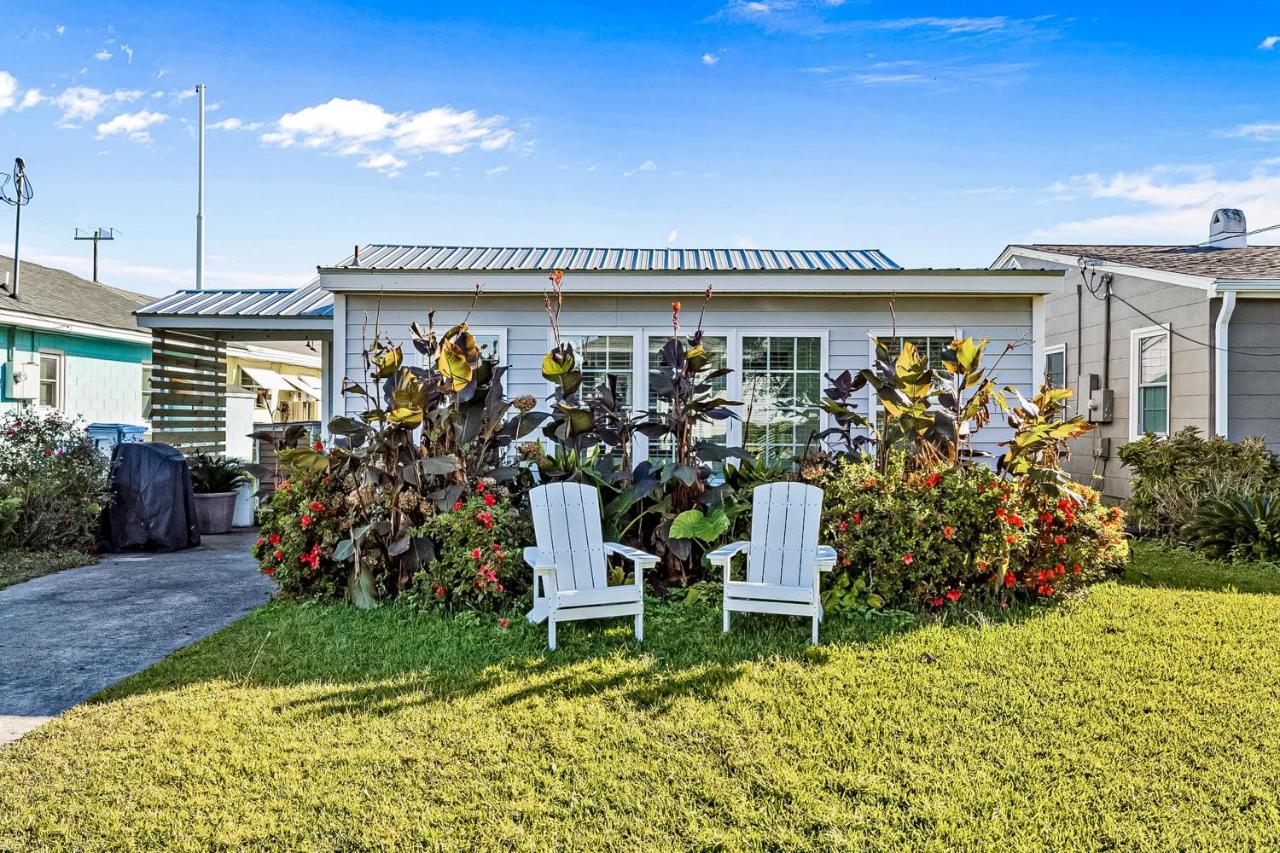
{"x":24,"y":380}
{"x":1102,"y":404}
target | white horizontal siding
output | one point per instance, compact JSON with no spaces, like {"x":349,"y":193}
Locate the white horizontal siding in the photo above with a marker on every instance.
{"x":847,"y":322}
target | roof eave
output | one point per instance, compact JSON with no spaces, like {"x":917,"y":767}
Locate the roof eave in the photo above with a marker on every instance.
{"x":1199,"y":282}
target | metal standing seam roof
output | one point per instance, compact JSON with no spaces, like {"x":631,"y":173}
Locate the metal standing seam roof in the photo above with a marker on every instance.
{"x":307,"y":301}
{"x":495,"y":259}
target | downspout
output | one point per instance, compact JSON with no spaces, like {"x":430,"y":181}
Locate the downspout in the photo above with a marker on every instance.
{"x":1221,"y":363}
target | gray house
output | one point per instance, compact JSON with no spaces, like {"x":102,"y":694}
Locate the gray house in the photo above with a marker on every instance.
{"x":1157,"y":338}
{"x":780,"y":319}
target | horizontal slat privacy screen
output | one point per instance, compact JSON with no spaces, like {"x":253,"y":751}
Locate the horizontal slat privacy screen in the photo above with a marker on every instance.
{"x":189,"y":391}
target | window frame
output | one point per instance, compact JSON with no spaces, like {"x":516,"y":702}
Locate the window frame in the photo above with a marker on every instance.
{"x":824,"y":367}
{"x":733,"y":384}
{"x":638,"y":354}
{"x":59,"y":382}
{"x":1136,"y":337}
{"x":1053,"y":350}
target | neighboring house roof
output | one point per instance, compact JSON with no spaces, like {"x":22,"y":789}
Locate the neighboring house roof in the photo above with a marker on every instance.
{"x":1251,"y":263}
{"x":60,"y":295}
{"x":497,"y":259}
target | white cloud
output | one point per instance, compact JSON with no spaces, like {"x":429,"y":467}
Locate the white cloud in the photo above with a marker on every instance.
{"x":950,"y":26}
{"x":1259,"y":132}
{"x":80,"y":103}
{"x":388,"y":164}
{"x":352,"y":127}
{"x":128,"y":51}
{"x":103,"y":55}
{"x":8,"y":90}
{"x":496,"y":170}
{"x":60,"y":29}
{"x":434,"y":173}
{"x":1269,"y":43}
{"x":235,"y":124}
{"x":133,"y":125}
{"x":710,"y":59}
{"x":673,"y":235}
{"x":31,"y":98}
{"x":646,"y":166}
{"x":1173,"y":203}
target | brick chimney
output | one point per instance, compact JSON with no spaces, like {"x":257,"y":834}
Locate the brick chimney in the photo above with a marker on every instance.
{"x":1227,"y":229}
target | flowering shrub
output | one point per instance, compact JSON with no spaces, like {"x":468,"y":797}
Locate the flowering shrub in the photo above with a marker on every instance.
{"x":477,"y":562}
{"x":930,"y":539}
{"x":57,"y":477}
{"x":298,"y":531}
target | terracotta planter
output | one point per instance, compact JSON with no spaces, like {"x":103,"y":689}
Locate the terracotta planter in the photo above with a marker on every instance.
{"x":214,"y":511}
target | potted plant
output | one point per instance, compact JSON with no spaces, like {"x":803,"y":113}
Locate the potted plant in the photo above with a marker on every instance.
{"x":215,"y":479}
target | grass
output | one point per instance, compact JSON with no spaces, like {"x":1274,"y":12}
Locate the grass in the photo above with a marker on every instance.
{"x":1134,"y":717}
{"x":20,"y":564}
{"x":1177,"y":568}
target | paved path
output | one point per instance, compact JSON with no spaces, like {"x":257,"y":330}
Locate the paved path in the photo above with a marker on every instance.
{"x":65,"y":636}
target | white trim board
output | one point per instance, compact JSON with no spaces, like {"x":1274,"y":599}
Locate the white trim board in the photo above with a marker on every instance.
{"x":72,"y":327}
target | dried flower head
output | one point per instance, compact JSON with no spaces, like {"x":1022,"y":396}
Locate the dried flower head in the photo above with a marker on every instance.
{"x":525,"y":402}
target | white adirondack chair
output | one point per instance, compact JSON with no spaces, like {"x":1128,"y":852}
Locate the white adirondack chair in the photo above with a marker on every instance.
{"x":784,"y":560}
{"x":570,"y":572}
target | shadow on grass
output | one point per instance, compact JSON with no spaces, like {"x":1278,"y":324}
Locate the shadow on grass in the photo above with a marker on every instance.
{"x":381,"y":661}
{"x":1170,"y":567}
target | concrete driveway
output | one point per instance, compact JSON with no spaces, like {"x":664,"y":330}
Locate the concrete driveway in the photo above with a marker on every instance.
{"x":65,"y":636}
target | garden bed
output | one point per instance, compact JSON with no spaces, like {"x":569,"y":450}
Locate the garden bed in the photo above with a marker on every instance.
{"x":1128,"y":716}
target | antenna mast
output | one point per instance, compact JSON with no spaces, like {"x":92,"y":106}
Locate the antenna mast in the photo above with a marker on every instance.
{"x":96,"y":235}
{"x":200,"y":198}
{"x":21,"y":198}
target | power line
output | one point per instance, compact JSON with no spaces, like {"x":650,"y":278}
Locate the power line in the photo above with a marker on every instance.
{"x":1105,"y":285}
{"x":96,"y":236}
{"x":1234,"y":236}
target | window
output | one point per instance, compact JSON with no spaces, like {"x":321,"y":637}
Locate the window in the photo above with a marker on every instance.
{"x":932,"y":345}
{"x":1055,"y":366}
{"x":603,"y":355}
{"x":781,"y":393}
{"x":717,"y":348}
{"x":1149,"y":384}
{"x":492,"y":342}
{"x":51,"y":364}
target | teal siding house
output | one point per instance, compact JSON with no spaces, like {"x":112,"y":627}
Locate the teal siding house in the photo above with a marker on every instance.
{"x":74,"y":345}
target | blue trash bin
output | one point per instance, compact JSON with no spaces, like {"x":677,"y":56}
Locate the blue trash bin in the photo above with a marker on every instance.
{"x":106,"y":436}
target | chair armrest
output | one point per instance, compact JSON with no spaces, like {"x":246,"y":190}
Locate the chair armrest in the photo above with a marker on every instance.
{"x":725,"y":553}
{"x":641,"y":559}
{"x":826,"y":558}
{"x":534,"y":559}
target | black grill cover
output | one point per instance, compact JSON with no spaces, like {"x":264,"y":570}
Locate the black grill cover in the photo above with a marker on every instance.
{"x":150,"y":504}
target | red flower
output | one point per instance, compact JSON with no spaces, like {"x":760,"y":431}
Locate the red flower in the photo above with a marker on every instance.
{"x":275,"y":538}
{"x":325,"y":479}
{"x":284,"y":487}
{"x":933,"y":479}
{"x":485,"y":519}
{"x":1059,"y":540}
{"x":489,"y":499}
{"x":1044,"y":589}
{"x":279,"y":555}
{"x":318,"y":447}
{"x":1009,"y":580}
{"x":306,"y":520}
{"x":479,"y":487}
{"x":982,"y":565}
{"x":475,"y":553}
{"x":497,"y":547}
{"x":857,"y":518}
{"x":1016,"y":521}
{"x":953,"y":595}
{"x":504,"y":623}
{"x":947,"y":531}
{"x":1001,"y":513}
{"x":1075,"y":569}
{"x":260,"y":542}
{"x":844,"y":525}
{"x":457,"y":505}
{"x":1011,"y":538}
{"x":269,"y":571}
{"x":316,"y":506}
{"x":1046,"y":517}
{"x":1060,"y":569}
{"x":936,"y":602}
{"x":908,"y":559}
{"x":439,"y":592}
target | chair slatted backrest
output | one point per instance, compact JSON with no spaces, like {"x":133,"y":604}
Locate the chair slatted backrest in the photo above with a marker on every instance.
{"x":784,"y":534}
{"x":566,"y":521}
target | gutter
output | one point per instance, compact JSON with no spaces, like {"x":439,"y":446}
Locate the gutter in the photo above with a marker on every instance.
{"x":1221,"y":363}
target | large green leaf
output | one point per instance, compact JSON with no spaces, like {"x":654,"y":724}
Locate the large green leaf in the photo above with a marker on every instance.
{"x":693,"y":524}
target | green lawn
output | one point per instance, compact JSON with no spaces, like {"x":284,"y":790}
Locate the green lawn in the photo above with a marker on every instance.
{"x":19,"y":564}
{"x":1136,"y":717}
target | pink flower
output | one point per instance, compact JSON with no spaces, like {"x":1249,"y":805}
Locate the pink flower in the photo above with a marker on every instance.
{"x":476,"y":553}
{"x":279,"y":555}
{"x":908,"y":559}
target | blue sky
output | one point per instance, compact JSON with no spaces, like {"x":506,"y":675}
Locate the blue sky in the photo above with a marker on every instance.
{"x":936,"y":133}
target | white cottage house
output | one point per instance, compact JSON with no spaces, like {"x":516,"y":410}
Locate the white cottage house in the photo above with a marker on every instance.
{"x":781,"y":319}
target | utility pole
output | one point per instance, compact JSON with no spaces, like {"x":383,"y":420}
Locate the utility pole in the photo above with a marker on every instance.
{"x":96,"y":236}
{"x":200,"y":198}
{"x":21,"y":198}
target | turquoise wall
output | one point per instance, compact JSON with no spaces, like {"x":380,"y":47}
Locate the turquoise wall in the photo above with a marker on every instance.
{"x":19,"y":341}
